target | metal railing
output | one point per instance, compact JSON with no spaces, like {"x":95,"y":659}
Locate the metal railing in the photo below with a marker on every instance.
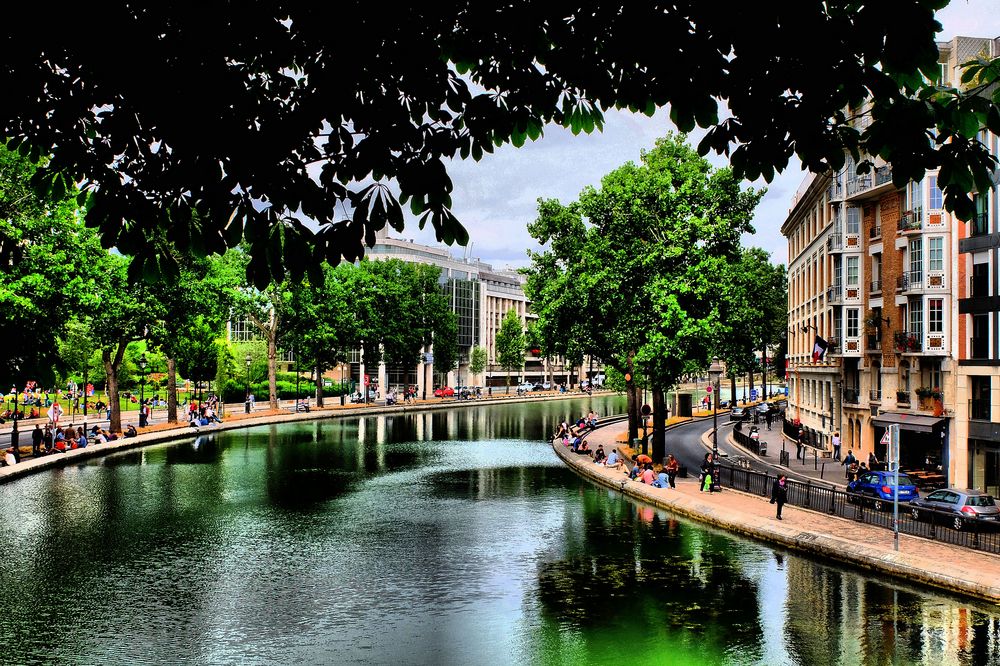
{"x":874,"y":395}
{"x":909,"y":221}
{"x":940,"y":526}
{"x":835,"y":294}
{"x":980,"y":224}
{"x":835,"y":242}
{"x":859,"y":184}
{"x":749,"y":443}
{"x":873,"y":342}
{"x":852,"y":396}
{"x":979,"y":286}
{"x":875,"y":286}
{"x":902,"y":397}
{"x":835,"y":190}
{"x":875,"y":231}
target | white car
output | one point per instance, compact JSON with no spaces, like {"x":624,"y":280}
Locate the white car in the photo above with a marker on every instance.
{"x":525,"y":386}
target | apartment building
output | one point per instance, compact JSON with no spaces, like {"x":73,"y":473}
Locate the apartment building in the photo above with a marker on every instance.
{"x":905,"y":297}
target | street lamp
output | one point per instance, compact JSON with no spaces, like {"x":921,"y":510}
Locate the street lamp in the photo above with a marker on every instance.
{"x":248,"y":360}
{"x":142,"y":392}
{"x":13,"y":433}
{"x":715,"y":373}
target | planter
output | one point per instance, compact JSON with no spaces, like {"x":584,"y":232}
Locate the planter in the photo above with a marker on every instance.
{"x":926,"y":404}
{"x":902,"y":397}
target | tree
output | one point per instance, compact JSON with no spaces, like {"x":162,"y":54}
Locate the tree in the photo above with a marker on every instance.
{"x":48,"y":273}
{"x":477,"y":360}
{"x":287,"y":124}
{"x":197,"y":351}
{"x":510,"y":344}
{"x":645,"y":255}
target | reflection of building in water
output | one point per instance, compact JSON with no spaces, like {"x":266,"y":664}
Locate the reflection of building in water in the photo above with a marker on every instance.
{"x":837,"y":617}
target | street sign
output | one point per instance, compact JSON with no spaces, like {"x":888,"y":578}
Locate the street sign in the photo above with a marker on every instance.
{"x":367,"y":380}
{"x":753,"y":394}
{"x":885,"y":439}
{"x":709,"y":389}
{"x":646,"y":410}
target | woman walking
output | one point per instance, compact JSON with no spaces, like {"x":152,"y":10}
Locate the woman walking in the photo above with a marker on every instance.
{"x":779,"y":493}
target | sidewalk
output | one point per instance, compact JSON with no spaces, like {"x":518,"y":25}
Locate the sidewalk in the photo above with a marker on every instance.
{"x":824,"y":470}
{"x":918,"y":560}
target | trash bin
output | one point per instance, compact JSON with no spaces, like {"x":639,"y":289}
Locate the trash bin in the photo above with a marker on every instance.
{"x":343,"y":399}
{"x":683,"y":472}
{"x":684,"y":404}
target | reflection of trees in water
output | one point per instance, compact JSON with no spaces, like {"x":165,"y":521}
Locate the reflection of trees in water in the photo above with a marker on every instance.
{"x":631,"y":568}
{"x":502,"y":482}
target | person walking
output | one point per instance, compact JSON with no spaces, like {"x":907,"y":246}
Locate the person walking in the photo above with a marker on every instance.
{"x":779,"y":493}
{"x":768,"y":417}
{"x":836,"y":445}
{"x":706,"y":473}
{"x":849,"y":462}
{"x":36,"y":441}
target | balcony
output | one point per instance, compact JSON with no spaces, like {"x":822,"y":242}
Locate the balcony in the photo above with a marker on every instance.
{"x":873,"y":343}
{"x":875,"y":287}
{"x":835,"y":191}
{"x":835,"y":294}
{"x":852,"y":396}
{"x":979,"y":409}
{"x":874,"y":395}
{"x":910,"y":221}
{"x":835,"y":243}
{"x":908,"y":342}
{"x":980,"y":224}
{"x":911,"y":281}
{"x":870,"y":185}
{"x":875,"y":231}
{"x":903,"y":398}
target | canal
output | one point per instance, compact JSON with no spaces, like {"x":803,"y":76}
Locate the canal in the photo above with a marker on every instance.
{"x":452,"y":537}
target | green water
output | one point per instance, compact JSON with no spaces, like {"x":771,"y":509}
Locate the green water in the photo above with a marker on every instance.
{"x":441,"y":538}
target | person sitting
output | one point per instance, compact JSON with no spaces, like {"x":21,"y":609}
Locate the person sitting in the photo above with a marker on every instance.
{"x":599,"y":455}
{"x":613,"y":460}
{"x":592,"y":419}
{"x":662,"y":481}
{"x":130,"y":431}
{"x":81,"y":438}
{"x":647,"y":475}
{"x":636,"y":468}
{"x":584,"y":448}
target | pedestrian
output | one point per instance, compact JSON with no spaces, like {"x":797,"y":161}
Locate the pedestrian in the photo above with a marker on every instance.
{"x":779,"y":493}
{"x":36,"y":441}
{"x":800,"y":446}
{"x":849,"y":462}
{"x":836,"y":445}
{"x":672,"y":468}
{"x":705,"y":480}
{"x":768,"y":417}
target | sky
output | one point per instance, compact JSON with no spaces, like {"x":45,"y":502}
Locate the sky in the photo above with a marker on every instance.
{"x":496,"y":198}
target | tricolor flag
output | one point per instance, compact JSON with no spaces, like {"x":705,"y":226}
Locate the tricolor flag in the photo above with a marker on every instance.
{"x":819,"y":349}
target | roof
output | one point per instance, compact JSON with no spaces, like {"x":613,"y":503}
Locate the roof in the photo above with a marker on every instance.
{"x":910,"y":422}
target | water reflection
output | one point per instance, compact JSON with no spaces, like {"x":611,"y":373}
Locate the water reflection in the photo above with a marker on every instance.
{"x":445,"y":537}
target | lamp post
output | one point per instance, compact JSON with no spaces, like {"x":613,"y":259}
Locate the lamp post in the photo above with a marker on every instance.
{"x":295,"y":359}
{"x":142,"y":392}
{"x":715,"y":373}
{"x":13,"y":433}
{"x":248,"y":360}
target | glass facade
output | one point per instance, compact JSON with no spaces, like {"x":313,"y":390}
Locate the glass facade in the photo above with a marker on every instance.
{"x":464,"y":298}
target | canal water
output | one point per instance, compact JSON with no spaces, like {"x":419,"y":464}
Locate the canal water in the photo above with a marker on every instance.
{"x":437,"y":538}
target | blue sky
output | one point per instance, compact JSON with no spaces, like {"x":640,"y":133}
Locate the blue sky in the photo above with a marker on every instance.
{"x":496,"y":198}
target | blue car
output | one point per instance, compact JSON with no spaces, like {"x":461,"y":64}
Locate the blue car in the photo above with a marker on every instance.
{"x":876,"y":488}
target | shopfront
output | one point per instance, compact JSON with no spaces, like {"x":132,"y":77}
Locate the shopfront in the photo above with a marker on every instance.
{"x":923,"y":446}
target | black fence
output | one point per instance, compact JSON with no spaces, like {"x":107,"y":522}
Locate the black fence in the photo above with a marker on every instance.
{"x":930,"y":524}
{"x":749,"y":443}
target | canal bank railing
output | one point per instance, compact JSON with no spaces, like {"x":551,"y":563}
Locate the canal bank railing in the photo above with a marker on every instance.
{"x":940,"y":526}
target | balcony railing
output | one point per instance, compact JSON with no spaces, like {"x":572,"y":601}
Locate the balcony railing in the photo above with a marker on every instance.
{"x":867,"y":181}
{"x":835,"y":294}
{"x":873,"y":342}
{"x":979,"y":409}
{"x":980,"y":224}
{"x":875,"y":231}
{"x":902,"y":397}
{"x":875,"y":286}
{"x":910,"y":281}
{"x":852,"y":396}
{"x":883,"y":175}
{"x":835,"y":242}
{"x":909,"y":221}
{"x":979,"y":286}
{"x":835,"y":190}
{"x":874,"y":395}
{"x":907,"y":342}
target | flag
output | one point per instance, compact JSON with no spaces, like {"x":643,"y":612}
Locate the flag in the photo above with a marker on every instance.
{"x":54,"y":412}
{"x":819,"y":349}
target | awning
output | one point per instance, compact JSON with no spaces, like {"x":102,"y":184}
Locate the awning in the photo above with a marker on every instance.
{"x":910,"y":422}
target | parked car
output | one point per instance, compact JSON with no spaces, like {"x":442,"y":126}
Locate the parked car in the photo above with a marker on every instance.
{"x":971,"y":507}
{"x":763,"y":408}
{"x":738,"y":414}
{"x":876,"y":488}
{"x":444,"y":392}
{"x":525,"y":386}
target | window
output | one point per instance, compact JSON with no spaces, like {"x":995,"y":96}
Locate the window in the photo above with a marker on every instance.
{"x":980,"y":336}
{"x":916,"y":260}
{"x":980,"y":408}
{"x":937,"y":200}
{"x":916,"y":317}
{"x":935,"y":315}
{"x":852,"y":271}
{"x":912,"y":200}
{"x":853,"y":220}
{"x":935,"y":253}
{"x":837,"y":271}
{"x":981,"y":220}
{"x":852,"y":322}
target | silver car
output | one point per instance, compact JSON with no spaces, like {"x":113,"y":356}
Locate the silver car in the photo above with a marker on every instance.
{"x":972,"y":507}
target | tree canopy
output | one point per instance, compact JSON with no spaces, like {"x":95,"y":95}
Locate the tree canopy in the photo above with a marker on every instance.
{"x":230,"y":122}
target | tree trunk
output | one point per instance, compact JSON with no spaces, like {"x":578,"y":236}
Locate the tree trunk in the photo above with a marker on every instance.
{"x":171,"y":390}
{"x":272,"y":371}
{"x":659,"y":424}
{"x":633,"y":400}
{"x":751,"y":381}
{"x":763,"y":376}
{"x":732,"y":385}
{"x":112,"y":378}
{"x":319,"y":385}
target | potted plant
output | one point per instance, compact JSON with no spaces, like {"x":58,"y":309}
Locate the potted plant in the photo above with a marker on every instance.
{"x":902,"y":397}
{"x":928,"y":396}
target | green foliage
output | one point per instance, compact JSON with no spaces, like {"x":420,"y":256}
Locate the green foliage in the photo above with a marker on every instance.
{"x":425,"y":84}
{"x":645,"y":255}
{"x":478,"y":360}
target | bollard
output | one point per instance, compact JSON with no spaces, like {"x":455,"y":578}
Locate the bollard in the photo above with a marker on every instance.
{"x":822,"y":471}
{"x":815,"y":459}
